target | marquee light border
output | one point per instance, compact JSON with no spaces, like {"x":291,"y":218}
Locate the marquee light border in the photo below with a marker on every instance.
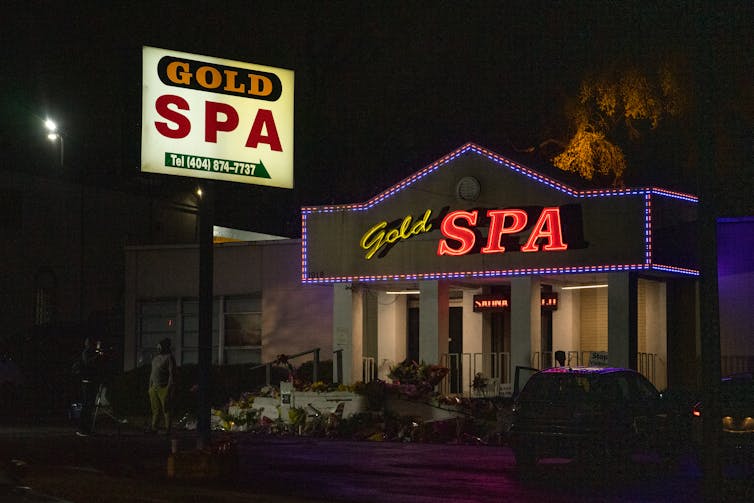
{"x":647,"y":193}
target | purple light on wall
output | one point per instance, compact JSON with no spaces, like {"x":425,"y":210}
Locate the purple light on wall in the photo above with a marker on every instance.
{"x":735,"y":271}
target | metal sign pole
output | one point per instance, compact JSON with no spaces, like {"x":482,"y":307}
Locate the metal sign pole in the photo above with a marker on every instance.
{"x":206,"y":269}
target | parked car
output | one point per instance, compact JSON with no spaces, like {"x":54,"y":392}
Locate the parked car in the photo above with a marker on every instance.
{"x":737,"y":413}
{"x":597,"y":414}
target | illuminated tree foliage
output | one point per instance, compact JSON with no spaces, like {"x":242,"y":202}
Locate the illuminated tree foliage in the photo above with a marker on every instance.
{"x":613,"y":109}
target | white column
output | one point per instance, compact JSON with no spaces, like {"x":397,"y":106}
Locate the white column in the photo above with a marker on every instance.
{"x":433,"y":321}
{"x":391,"y":323}
{"x":566,"y":323}
{"x":657,"y":330}
{"x":473,"y":327}
{"x":621,"y":320}
{"x":526,"y":320}
{"x":343,"y":328}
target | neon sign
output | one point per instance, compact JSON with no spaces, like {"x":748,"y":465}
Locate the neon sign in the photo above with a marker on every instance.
{"x":549,"y":301}
{"x":488,"y":303}
{"x":378,"y":237}
{"x":461,"y":240}
{"x":502,"y":222}
{"x":502,"y":302}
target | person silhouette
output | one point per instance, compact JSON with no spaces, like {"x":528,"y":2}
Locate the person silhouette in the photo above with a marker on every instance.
{"x":560,"y":358}
{"x":89,"y":375}
{"x":161,"y":386}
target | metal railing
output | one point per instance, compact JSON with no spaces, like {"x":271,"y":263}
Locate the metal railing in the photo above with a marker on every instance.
{"x":368,"y":369}
{"x":736,"y":364}
{"x":493,"y":368}
{"x":546,"y":359}
{"x":315,"y":365}
{"x":645,"y":363}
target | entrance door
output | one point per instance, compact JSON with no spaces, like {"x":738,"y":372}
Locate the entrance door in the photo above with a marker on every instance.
{"x":500,"y":345}
{"x":412,"y":335}
{"x":455,"y":349}
{"x":546,"y":358}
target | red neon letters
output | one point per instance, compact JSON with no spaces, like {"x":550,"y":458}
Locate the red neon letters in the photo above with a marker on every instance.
{"x":463,"y":235}
{"x":511,"y":221}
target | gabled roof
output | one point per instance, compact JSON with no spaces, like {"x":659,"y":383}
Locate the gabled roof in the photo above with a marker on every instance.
{"x":505,"y":163}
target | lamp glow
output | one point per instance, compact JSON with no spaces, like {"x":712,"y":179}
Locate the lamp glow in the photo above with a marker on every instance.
{"x":583,"y":287}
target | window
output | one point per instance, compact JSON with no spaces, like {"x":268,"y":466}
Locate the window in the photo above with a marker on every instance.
{"x":645,"y":390}
{"x":237,"y":340}
{"x":157,"y":320}
{"x":243,"y":321}
{"x":190,"y":331}
{"x":243,"y":330}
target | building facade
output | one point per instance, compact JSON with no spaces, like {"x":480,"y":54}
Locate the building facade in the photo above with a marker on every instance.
{"x":482,"y":265}
{"x":474,"y":262}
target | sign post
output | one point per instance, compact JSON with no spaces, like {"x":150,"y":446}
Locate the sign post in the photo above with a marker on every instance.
{"x":206,"y":274}
{"x":215,"y":119}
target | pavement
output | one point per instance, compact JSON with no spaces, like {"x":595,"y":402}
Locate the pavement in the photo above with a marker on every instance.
{"x":119,"y":463}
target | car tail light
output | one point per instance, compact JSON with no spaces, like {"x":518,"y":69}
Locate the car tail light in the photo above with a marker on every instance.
{"x":696,"y":411}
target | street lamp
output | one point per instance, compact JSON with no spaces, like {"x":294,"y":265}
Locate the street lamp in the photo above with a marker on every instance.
{"x":53,"y":134}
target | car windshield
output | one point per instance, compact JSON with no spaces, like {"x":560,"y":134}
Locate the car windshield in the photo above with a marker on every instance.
{"x":558,"y":387}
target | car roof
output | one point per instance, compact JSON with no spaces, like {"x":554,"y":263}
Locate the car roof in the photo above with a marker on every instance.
{"x":585,"y":370}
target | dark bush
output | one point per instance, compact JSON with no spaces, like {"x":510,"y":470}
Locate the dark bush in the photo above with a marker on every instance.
{"x":305,"y":372}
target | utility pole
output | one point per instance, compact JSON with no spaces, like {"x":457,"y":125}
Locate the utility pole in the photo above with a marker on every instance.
{"x":708,"y":186}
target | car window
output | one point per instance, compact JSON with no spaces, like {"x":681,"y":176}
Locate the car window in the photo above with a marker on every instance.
{"x":642,"y":388}
{"x":557,"y":387}
{"x":607,"y":388}
{"x":626,"y":393}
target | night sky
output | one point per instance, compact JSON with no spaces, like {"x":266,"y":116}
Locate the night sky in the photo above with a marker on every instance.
{"x":382,"y":88}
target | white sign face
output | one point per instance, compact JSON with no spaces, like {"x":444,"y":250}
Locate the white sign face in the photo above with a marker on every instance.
{"x":215,"y":118}
{"x":598,"y":359}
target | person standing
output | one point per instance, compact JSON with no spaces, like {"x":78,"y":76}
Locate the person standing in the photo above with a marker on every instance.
{"x":560,"y":358}
{"x":161,"y":386}
{"x":87,"y":370}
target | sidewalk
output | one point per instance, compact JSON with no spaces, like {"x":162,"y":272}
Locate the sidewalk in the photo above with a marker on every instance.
{"x":114,"y":465}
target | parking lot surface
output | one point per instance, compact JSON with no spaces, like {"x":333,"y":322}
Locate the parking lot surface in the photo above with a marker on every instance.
{"x":130,"y":466}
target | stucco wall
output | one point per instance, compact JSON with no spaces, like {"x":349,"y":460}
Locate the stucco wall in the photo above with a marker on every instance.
{"x":295,"y":317}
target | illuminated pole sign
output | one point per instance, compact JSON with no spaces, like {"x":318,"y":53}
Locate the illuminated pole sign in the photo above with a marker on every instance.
{"x":214,"y":118}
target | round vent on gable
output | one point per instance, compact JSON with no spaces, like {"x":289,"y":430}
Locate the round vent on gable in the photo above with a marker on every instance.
{"x":468,"y":188}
